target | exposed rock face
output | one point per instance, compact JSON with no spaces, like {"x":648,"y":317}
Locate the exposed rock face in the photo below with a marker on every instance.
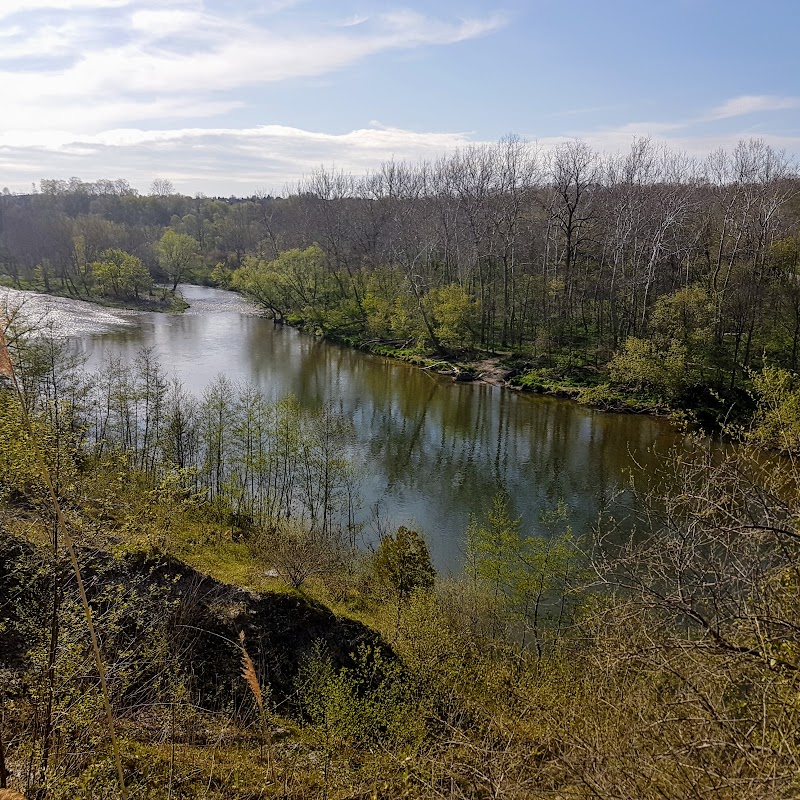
{"x":201,"y":619}
{"x":23,"y":595}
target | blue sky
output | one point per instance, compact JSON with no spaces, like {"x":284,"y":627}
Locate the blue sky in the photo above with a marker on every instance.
{"x":232,"y":96}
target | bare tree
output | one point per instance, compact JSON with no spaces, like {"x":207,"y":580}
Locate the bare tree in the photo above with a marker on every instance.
{"x":161,"y":187}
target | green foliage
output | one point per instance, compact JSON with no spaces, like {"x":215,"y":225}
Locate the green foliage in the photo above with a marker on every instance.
{"x":121,"y":275}
{"x":645,"y":366}
{"x":492,"y":544}
{"x":694,"y":636}
{"x":686,"y":315}
{"x":301,"y":286}
{"x":453,"y":310}
{"x":297,"y":281}
{"x":530,"y":577}
{"x":785,"y":254}
{"x":177,"y":255}
{"x":221,"y":276}
{"x":403,"y":564}
{"x":365,"y":707}
{"x":601,"y":396}
{"x":19,"y":473}
{"x":21,"y":478}
{"x":436,"y":636}
{"x":404,"y":318}
{"x":776,"y":423}
{"x":387,"y":308}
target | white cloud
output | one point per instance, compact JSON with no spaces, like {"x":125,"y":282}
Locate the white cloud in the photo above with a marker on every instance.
{"x":157,"y":23}
{"x":47,"y":42}
{"x":69,"y":119}
{"x":220,"y":160}
{"x":11,"y":7}
{"x":352,"y":21}
{"x":751,"y":104}
{"x":224,"y":161}
{"x":696,"y":136}
{"x":619,"y":140}
{"x":181,"y":56}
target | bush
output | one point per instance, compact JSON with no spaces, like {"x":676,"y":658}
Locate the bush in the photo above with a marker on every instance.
{"x":643,"y":365}
{"x":403,"y":564}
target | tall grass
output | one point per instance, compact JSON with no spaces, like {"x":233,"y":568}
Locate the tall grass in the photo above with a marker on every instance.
{"x":7,"y":374}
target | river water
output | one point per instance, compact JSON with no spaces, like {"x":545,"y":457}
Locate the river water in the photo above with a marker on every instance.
{"x":430,"y":451}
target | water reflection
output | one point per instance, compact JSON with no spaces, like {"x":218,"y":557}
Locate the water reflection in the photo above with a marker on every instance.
{"x":431,"y":451}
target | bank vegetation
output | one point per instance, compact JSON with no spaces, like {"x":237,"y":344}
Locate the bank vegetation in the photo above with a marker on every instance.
{"x":253,"y":645}
{"x":642,"y":280}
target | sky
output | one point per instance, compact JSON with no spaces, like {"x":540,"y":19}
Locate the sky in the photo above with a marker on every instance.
{"x":230,"y":97}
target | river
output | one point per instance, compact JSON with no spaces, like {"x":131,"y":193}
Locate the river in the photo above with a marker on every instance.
{"x":430,"y":451}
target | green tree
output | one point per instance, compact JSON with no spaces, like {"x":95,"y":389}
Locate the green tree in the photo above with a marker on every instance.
{"x":382,"y":290}
{"x":119,"y":274}
{"x":403,"y":565}
{"x":686,"y":316}
{"x":776,"y":423}
{"x":529,"y":576}
{"x":491,"y":544}
{"x":452,"y":309}
{"x":293,"y":283}
{"x":221,"y":275}
{"x":784,"y":257}
{"x":177,"y":255}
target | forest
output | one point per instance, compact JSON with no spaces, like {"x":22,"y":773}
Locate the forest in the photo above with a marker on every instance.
{"x":187,"y":605}
{"x":646,"y":280}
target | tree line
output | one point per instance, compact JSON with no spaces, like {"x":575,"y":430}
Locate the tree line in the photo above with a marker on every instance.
{"x":684,"y":270}
{"x":264,"y":463}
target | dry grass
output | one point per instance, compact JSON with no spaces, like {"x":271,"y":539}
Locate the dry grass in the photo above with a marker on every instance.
{"x":10,"y":794}
{"x":249,"y":674}
{"x":6,"y":370}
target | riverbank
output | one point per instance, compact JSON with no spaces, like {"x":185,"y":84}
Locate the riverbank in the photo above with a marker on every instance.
{"x":569,"y":379}
{"x":365,"y":681}
{"x":585,"y":385}
{"x":162,"y":301}
{"x":582,"y":383}
{"x":562,"y":374}
{"x":404,"y":422}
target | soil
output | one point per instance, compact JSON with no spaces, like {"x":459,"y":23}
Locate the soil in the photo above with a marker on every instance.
{"x":491,"y":371}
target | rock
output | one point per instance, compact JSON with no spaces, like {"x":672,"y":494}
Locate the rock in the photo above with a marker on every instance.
{"x":204,"y":621}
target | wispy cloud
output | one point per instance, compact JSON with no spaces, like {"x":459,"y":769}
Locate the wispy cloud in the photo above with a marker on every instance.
{"x":191,"y":50}
{"x":352,"y":21}
{"x":752,"y":104}
{"x":219,"y":160}
{"x":10,"y":7}
{"x":697,"y":135}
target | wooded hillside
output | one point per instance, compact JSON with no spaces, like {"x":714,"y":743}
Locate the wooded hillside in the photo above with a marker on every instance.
{"x":647,"y":272}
